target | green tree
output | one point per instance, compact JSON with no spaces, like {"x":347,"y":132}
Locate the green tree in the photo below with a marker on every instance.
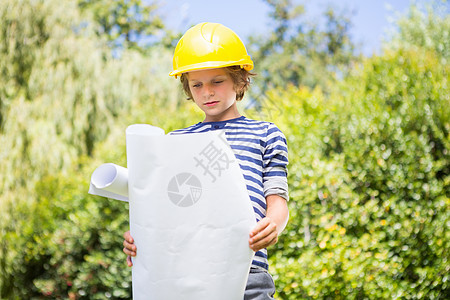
{"x":124,"y":22}
{"x":61,"y":86}
{"x":63,"y":93}
{"x":426,"y":28}
{"x":369,"y":172}
{"x":298,"y":53}
{"x":369,"y":177}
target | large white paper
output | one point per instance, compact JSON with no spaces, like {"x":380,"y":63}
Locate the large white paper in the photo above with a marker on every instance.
{"x":190,"y":216}
{"x":110,"y":180}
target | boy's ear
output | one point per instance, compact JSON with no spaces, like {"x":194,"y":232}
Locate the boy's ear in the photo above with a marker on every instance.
{"x":238,"y":88}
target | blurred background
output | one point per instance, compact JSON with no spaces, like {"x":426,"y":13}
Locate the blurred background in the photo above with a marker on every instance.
{"x":366,"y":113}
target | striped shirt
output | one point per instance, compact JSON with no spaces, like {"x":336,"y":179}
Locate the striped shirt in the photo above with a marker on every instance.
{"x":261,"y":150}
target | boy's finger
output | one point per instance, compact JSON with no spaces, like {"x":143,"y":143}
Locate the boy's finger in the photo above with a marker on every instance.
{"x":129,"y":261}
{"x":269,"y":229}
{"x":127,"y":236}
{"x":262,"y":238}
{"x":128,"y":251}
{"x":263,"y":223}
{"x":264,"y":243}
{"x":131,"y":247}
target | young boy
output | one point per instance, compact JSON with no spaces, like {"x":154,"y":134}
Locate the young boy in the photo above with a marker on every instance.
{"x":214,"y":68}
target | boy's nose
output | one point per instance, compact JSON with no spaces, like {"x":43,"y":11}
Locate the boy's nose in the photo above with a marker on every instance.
{"x":209,"y":92}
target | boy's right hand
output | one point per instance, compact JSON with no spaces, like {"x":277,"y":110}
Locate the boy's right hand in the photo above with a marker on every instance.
{"x":129,"y":248}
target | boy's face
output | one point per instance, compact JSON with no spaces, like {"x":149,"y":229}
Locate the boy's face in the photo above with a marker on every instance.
{"x":213,"y":92}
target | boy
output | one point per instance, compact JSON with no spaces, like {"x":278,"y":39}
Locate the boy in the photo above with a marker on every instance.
{"x":214,"y":68}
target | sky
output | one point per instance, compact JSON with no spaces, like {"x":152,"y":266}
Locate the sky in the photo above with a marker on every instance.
{"x":371,"y":18}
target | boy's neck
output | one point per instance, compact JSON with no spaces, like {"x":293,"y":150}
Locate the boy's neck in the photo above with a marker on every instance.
{"x":221,"y":119}
{"x":231,"y":113}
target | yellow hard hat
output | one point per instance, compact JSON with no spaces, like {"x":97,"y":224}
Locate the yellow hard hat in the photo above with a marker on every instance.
{"x":209,"y":46}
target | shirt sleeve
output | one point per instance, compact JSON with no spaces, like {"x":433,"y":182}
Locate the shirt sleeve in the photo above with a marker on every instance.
{"x":275,"y":161}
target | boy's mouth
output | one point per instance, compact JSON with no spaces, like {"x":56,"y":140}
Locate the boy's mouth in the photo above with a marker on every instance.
{"x":211,"y":103}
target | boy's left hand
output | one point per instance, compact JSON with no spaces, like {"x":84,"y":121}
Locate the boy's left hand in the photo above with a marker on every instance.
{"x":263,"y":235}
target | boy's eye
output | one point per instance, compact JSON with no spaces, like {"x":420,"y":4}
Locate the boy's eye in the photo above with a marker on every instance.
{"x":197,"y":85}
{"x":218,"y":81}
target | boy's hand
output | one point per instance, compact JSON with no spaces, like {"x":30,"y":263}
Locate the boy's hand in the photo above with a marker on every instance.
{"x":266,"y":231}
{"x":263,"y":235}
{"x":129,"y":248}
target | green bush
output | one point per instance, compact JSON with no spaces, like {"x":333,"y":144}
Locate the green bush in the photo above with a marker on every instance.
{"x":66,"y":243}
{"x":369,"y":177}
{"x":369,"y":172}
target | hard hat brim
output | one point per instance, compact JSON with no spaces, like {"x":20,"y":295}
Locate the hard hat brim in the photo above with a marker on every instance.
{"x":245,"y":64}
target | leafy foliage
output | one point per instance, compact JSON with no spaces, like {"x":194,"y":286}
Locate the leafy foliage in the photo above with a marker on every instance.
{"x":369,"y":172}
{"x":62,"y":93}
{"x":369,"y":179}
{"x":297,"y":52}
{"x":123,"y":22}
{"x":369,"y":182}
{"x":66,"y":248}
{"x":427,"y":28}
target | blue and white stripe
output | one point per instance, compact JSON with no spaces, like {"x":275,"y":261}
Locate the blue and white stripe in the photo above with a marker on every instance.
{"x":261,"y":150}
